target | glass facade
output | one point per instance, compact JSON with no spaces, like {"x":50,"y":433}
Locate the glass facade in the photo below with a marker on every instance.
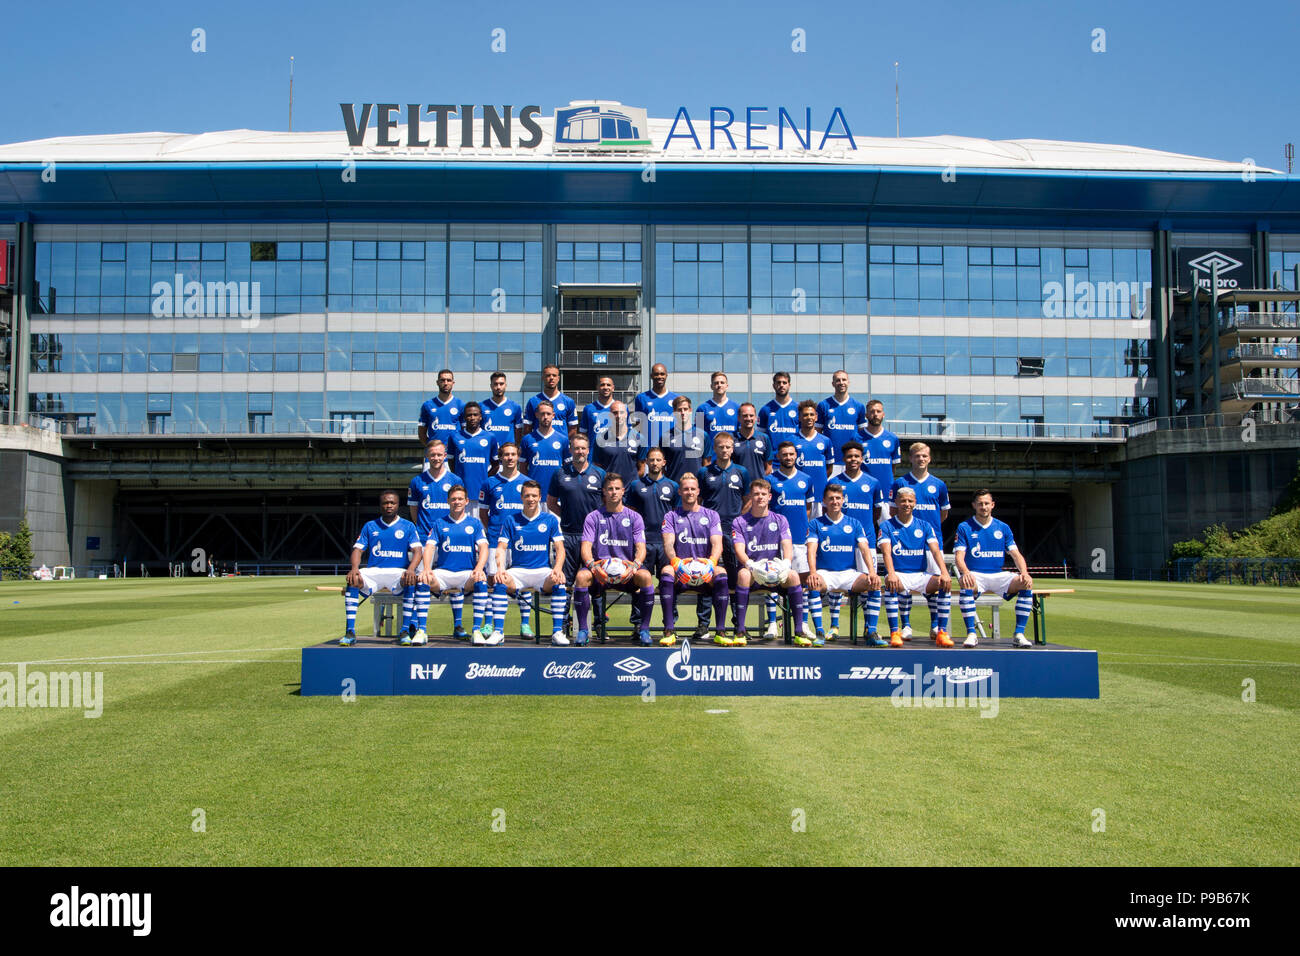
{"x":344,"y":314}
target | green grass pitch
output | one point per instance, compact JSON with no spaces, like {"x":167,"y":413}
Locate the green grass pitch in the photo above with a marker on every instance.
{"x":201,"y":713}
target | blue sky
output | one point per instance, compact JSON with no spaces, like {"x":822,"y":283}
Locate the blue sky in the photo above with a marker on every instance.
{"x":1198,"y":77}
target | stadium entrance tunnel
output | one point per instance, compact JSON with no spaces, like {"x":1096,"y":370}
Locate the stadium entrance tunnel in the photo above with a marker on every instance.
{"x":260,"y":531}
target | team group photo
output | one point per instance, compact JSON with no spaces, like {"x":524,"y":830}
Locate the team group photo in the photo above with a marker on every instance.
{"x":554,"y":506}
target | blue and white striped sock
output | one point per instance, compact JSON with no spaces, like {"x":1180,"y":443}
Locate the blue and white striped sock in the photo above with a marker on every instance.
{"x":525,"y":601}
{"x":815,"y":609}
{"x":456,"y":599}
{"x":500,"y":601}
{"x":836,"y":601}
{"x":905,"y":609}
{"x":408,"y":607}
{"x":873,"y":611}
{"x":1024,"y":607}
{"x":772,"y":607}
{"x":967,"y":602}
{"x":351,"y":600}
{"x":891,"y":610}
{"x":944,"y":600}
{"x":559,"y":604}
{"x":932,"y":602}
{"x":422,"y":598}
{"x":480,"y":603}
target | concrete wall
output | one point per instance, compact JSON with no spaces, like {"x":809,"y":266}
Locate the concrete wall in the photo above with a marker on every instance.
{"x":1094,"y":527}
{"x":49,"y":502}
{"x":93,"y":518}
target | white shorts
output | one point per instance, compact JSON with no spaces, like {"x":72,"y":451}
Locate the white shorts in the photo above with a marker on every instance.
{"x":382,"y":579}
{"x":529,"y":579}
{"x":840,"y":580}
{"x":996,"y":582}
{"x":451,"y":580}
{"x":914,"y":582}
{"x":799,"y":563}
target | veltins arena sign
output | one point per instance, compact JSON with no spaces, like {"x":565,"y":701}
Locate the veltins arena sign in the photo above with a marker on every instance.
{"x":590,"y":126}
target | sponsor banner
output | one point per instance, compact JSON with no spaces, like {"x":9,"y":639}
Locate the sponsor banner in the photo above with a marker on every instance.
{"x":621,"y":669}
{"x":1236,"y":267}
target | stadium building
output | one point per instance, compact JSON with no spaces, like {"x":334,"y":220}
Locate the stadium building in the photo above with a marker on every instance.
{"x":221,"y":341}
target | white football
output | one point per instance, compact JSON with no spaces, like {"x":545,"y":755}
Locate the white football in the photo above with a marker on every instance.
{"x":769,"y":571}
{"x":615,"y":569}
{"x":693,"y":573}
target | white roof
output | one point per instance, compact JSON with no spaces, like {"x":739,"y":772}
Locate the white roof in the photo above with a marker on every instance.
{"x":262,"y":146}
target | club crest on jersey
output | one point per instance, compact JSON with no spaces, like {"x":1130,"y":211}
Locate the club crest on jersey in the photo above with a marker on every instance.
{"x":555,"y":445}
{"x":803,"y":484}
{"x":627,"y":522}
{"x":771,"y":526}
{"x":399,"y":534}
{"x":998,"y":535}
{"x":542,"y":527}
{"x":447,"y":486}
{"x":931,"y":488}
{"x":507,"y":412}
{"x":469,"y":530}
{"x":885,"y":443}
{"x":917,"y":532}
{"x":731,"y":411}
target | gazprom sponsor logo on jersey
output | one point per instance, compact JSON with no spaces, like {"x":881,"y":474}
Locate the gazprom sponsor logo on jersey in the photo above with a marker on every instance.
{"x":977,"y":552}
{"x":680,"y":668}
{"x":604,"y":539}
{"x":379,"y":551}
{"x":427,"y":671}
{"x":569,"y":670}
{"x":477,"y":670}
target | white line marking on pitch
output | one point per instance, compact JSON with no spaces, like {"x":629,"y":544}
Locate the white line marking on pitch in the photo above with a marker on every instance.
{"x":1199,"y":664}
{"x":112,"y":657}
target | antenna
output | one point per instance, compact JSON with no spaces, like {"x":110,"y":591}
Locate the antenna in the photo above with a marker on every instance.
{"x":898,"y":125}
{"x":290,"y":94}
{"x":1290,"y":156}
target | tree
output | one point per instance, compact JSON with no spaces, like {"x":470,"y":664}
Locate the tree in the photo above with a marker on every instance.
{"x":16,"y":554}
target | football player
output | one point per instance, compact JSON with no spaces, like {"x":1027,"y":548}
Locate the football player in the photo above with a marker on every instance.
{"x":911,"y":551}
{"x":458,"y":541}
{"x":983,"y":544}
{"x":613,"y":532}
{"x":840,"y":416}
{"x":502,"y":417}
{"x":780,"y":416}
{"x":564,"y":408}
{"x":692,"y":533}
{"x":535,"y":561}
{"x":440,"y":415}
{"x":545,"y":449}
{"x":393,"y":548}
{"x":841,"y":558}
{"x":931,"y":506}
{"x":761,"y":535}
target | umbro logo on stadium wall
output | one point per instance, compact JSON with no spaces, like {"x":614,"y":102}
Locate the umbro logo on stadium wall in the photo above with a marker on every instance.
{"x":1208,"y":261}
{"x":1236,"y":267}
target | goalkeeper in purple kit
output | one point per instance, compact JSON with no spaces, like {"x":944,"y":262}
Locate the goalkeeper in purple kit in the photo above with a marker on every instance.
{"x":692,"y":534}
{"x":613,"y":551}
{"x":764,"y":552}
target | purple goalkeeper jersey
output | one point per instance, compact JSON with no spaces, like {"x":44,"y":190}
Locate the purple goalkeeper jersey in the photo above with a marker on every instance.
{"x":692,"y":530}
{"x":761,"y":537}
{"x":614,"y":534}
